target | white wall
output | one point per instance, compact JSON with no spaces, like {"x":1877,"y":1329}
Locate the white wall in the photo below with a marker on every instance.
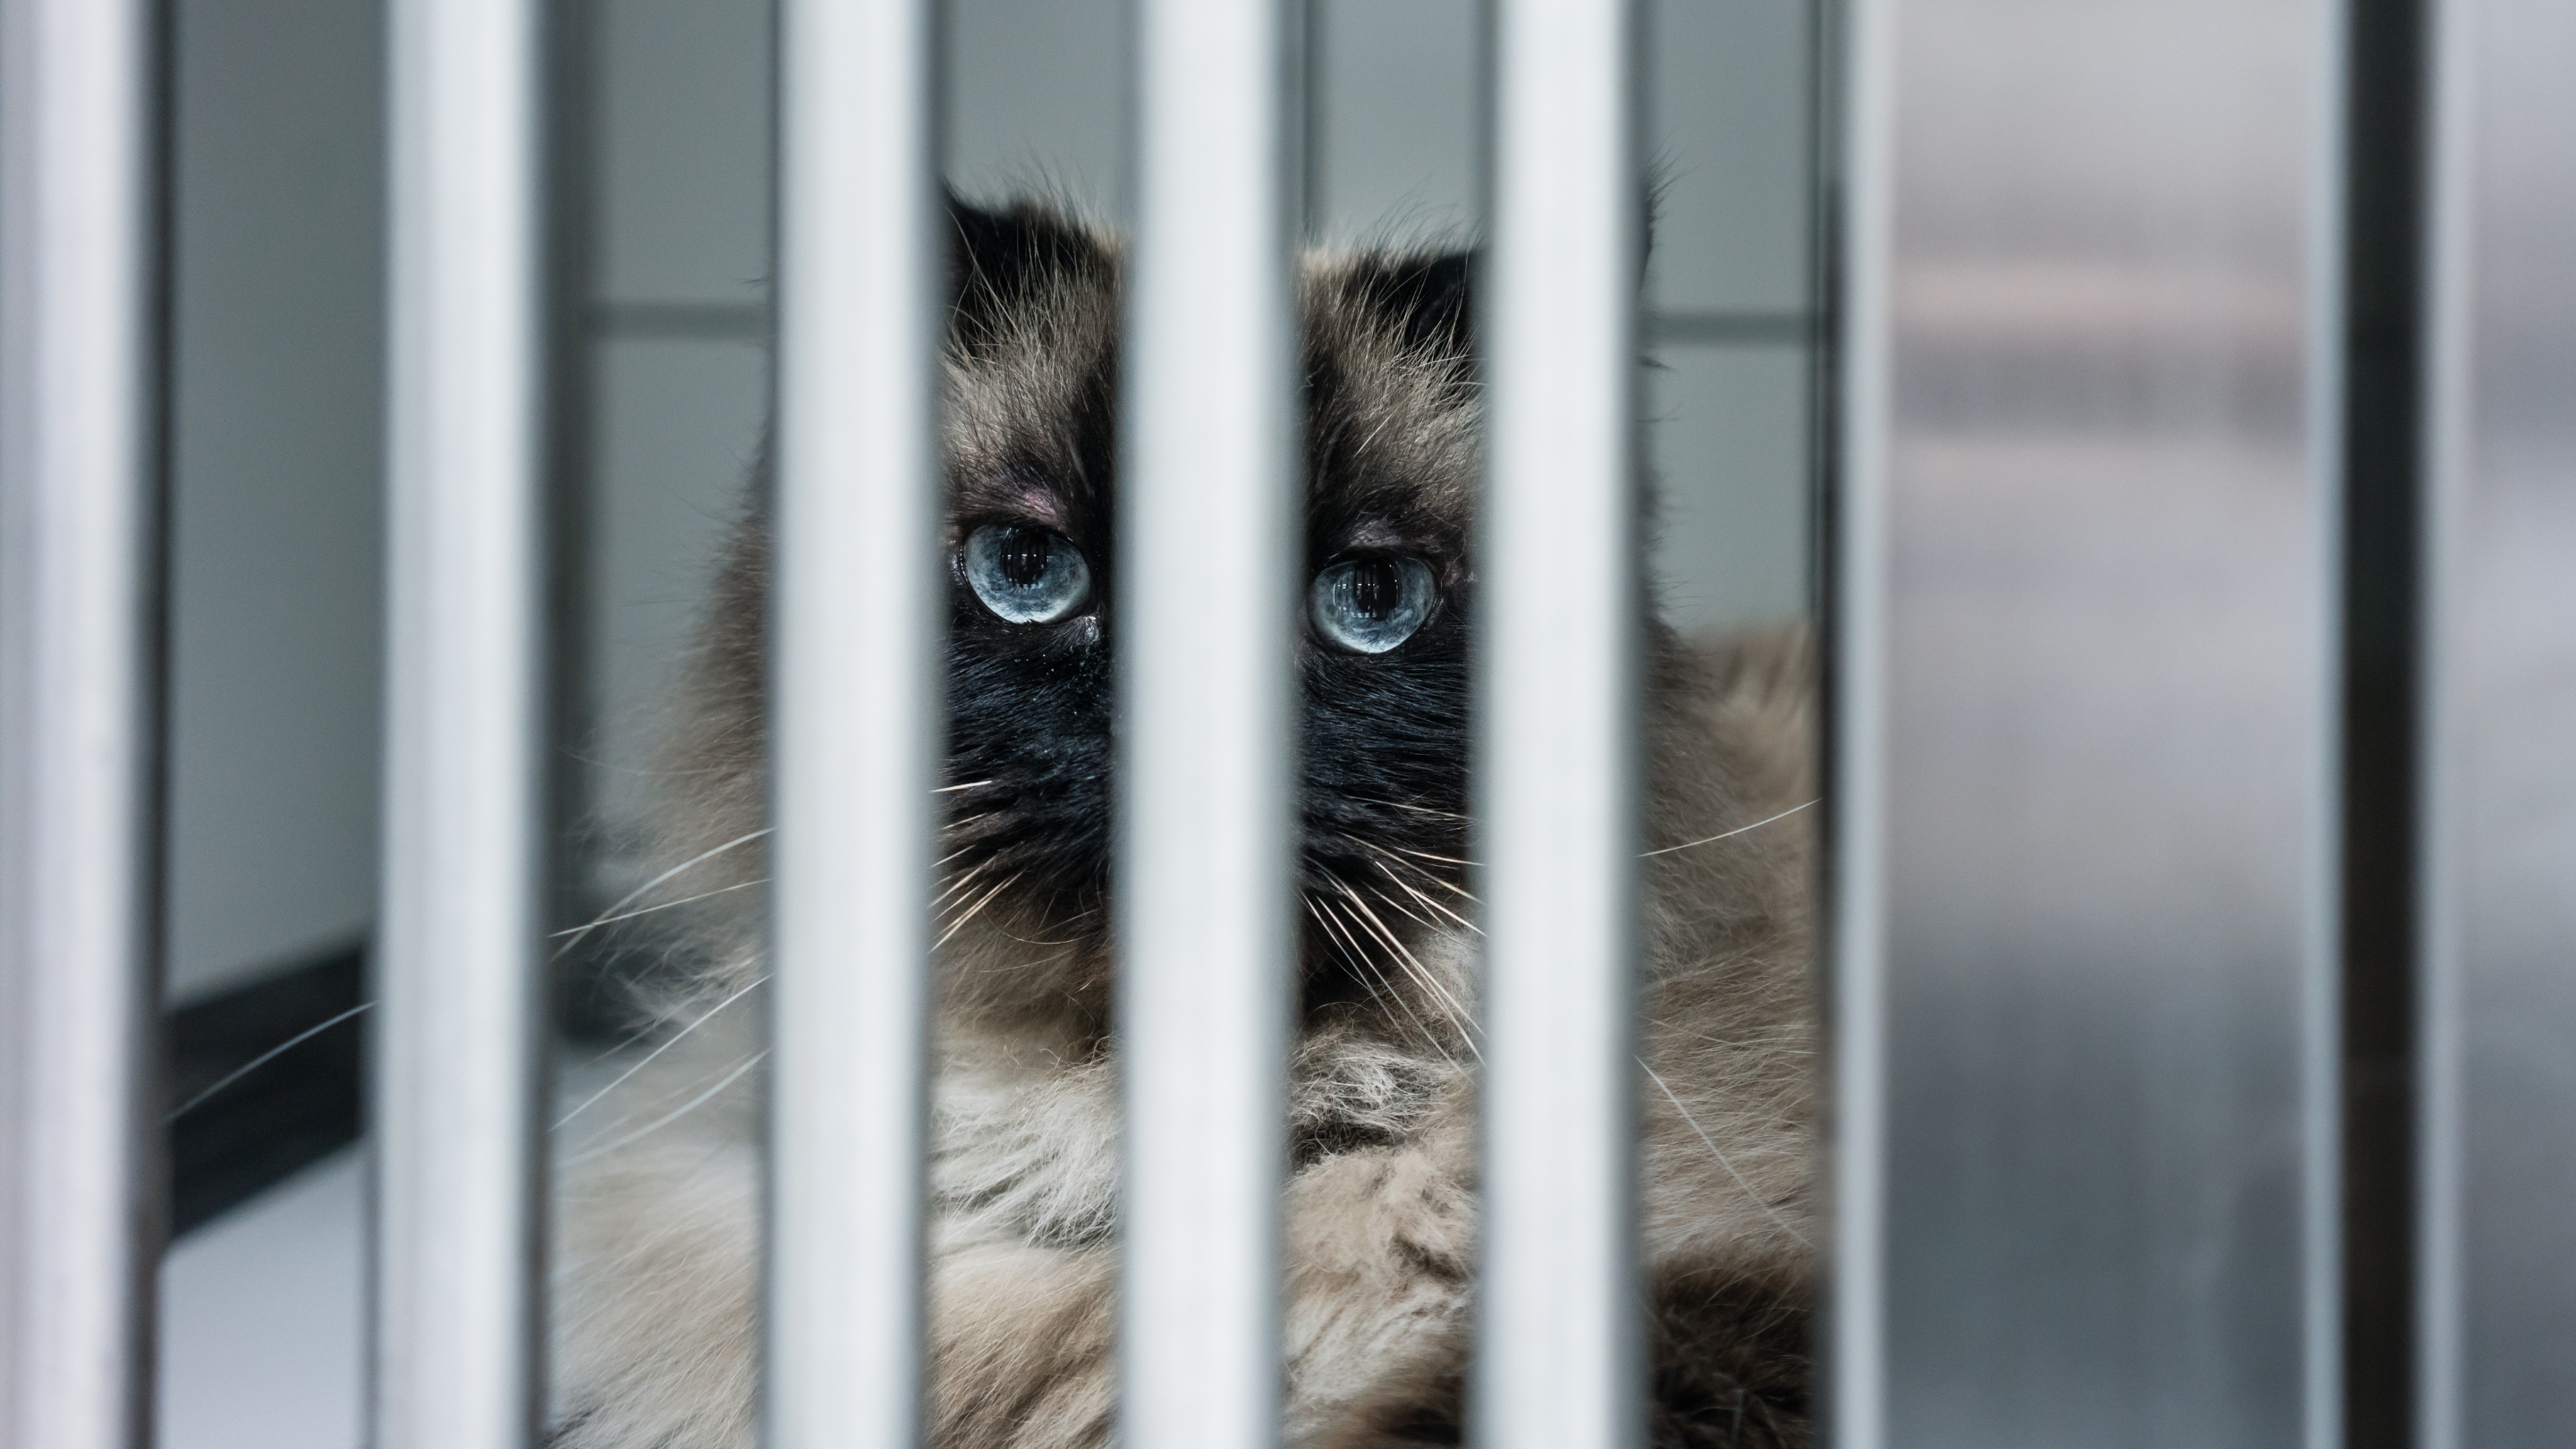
{"x":275,"y":520}
{"x":678,"y":203}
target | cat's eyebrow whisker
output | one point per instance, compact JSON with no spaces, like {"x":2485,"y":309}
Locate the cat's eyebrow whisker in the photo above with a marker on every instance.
{"x":676,"y":1114}
{"x":969,"y":785}
{"x":1730,"y":834}
{"x":637,"y":894}
{"x":702,"y":1019}
{"x":664,"y":906}
{"x":1758,"y":1200}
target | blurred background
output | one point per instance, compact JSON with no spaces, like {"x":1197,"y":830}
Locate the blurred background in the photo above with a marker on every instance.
{"x":663,"y":187}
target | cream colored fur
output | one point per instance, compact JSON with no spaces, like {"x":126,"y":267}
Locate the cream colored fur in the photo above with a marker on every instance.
{"x":658,"y":1240}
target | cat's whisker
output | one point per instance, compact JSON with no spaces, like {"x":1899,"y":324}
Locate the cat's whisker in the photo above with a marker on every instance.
{"x":960,"y":884}
{"x":1405,"y":886}
{"x":951,"y":830}
{"x":1409,"y":858}
{"x":959,"y":898}
{"x":1432,"y":811}
{"x":1432,"y":876}
{"x":637,"y":894}
{"x":1421,"y":973}
{"x":1396,"y":944}
{"x":1727,"y":835}
{"x":1397,"y":855}
{"x":1347,"y":947}
{"x":702,"y":1019}
{"x":1352,"y":952}
{"x":969,"y":785}
{"x":1368,"y":979}
{"x":1758,"y":1200}
{"x":1387,"y":863}
{"x":1401,"y":909}
{"x":674,"y":1115}
{"x":263,"y":1059}
{"x":665,"y":906}
{"x":973,"y":911}
{"x":968,"y":819}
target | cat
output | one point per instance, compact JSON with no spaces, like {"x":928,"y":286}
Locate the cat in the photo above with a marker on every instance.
{"x":655,"y":1346}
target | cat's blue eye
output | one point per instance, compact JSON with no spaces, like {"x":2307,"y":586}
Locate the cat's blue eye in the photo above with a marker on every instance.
{"x":1370,"y":605}
{"x":1026,"y":575}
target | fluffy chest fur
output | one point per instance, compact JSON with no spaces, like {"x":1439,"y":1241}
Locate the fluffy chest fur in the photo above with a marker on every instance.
{"x":658,"y":1251}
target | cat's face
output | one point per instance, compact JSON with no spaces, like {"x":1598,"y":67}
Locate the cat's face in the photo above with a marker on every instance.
{"x":1033,"y":628}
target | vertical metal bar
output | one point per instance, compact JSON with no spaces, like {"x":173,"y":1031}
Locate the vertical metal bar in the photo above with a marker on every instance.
{"x":2084,"y":960}
{"x":79,"y":597}
{"x":1855,"y":1402}
{"x":857,"y":724}
{"x":2497,"y":1300}
{"x":1557,"y":772}
{"x":2383,"y":449}
{"x":1206,"y":616}
{"x":459,"y":987}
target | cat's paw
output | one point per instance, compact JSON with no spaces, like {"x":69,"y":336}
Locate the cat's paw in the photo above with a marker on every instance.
{"x":1730,"y":1370}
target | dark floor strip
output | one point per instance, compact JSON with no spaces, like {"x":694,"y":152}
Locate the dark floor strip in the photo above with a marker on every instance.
{"x":282,"y":1116}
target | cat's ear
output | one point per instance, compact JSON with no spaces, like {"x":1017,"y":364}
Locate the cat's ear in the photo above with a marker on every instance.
{"x":1431,"y":298}
{"x":1000,"y":261}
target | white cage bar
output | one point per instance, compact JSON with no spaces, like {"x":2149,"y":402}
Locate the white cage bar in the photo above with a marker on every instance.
{"x":2497,"y":1016}
{"x":80,"y":1224}
{"x":459,"y":991}
{"x":1557,"y":765}
{"x":1209,"y":542}
{"x":856,"y":722}
{"x":2084,"y":972}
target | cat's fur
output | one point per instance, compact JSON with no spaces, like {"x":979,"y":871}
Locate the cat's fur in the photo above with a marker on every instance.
{"x":657,"y":1290}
